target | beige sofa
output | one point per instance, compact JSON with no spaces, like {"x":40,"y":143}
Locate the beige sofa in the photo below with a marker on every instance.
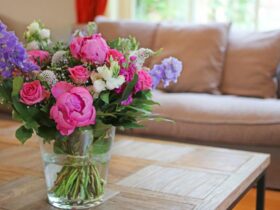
{"x":215,"y":116}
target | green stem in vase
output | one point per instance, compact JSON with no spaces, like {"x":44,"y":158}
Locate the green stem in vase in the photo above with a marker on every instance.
{"x":78,"y":183}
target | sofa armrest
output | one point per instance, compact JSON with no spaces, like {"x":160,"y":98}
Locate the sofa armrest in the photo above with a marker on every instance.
{"x":278,"y":80}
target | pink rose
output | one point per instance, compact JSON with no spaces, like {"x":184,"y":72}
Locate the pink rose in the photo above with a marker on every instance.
{"x":73,"y":109}
{"x":144,"y":81}
{"x":61,"y":87}
{"x":38,"y":57}
{"x":79,"y":74}
{"x":92,"y":49}
{"x":75,"y":46}
{"x":32,"y":93}
{"x":115,"y":54}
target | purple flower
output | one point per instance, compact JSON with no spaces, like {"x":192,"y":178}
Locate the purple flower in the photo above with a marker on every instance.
{"x":128,"y":101}
{"x":168,"y":71}
{"x":157,"y":75}
{"x":12,"y":54}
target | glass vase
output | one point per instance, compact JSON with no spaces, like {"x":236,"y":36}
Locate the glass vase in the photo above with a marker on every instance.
{"x":76,"y":168}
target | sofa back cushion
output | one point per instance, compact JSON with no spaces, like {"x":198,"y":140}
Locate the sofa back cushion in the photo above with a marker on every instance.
{"x":201,"y":48}
{"x":251,"y":63}
{"x":144,"y":32}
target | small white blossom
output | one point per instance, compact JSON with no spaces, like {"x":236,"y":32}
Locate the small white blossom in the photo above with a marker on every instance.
{"x":113,"y":83}
{"x":58,"y":57}
{"x":27,"y":33}
{"x":107,"y":78}
{"x":142,"y":54}
{"x":95,"y":76}
{"x":99,"y":85}
{"x":45,"y":33}
{"x":105,"y":72}
{"x":34,"y":45}
{"x":49,"y":77}
{"x":34,"y":27}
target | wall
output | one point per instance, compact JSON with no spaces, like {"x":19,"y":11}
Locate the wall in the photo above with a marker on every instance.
{"x":120,"y":9}
{"x":57,"y":15}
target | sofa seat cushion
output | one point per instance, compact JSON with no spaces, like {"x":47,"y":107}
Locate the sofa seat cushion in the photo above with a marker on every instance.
{"x":217,"y":118}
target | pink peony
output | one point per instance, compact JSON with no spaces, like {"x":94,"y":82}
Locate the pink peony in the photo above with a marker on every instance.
{"x":61,"y":87}
{"x":144,"y":81}
{"x":38,"y":57}
{"x":115,"y":54}
{"x":79,"y":74}
{"x":33,"y":92}
{"x":72,"y":109}
{"x":75,"y":47}
{"x":92,"y":49}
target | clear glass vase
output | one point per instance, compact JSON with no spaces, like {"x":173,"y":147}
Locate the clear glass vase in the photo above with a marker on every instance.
{"x":76,"y":168}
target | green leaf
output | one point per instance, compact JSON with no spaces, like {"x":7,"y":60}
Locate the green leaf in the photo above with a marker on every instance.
{"x":23,"y":134}
{"x":140,"y":110}
{"x":33,"y":111}
{"x":20,"y":109}
{"x":17,"y":84}
{"x":47,"y":133}
{"x":124,"y":45}
{"x":58,"y":148}
{"x":31,"y":125}
{"x":145,"y":101}
{"x":26,"y":113}
{"x":103,"y":114}
{"x":6,"y":91}
{"x":132,"y":125}
{"x":129,"y":88}
{"x":101,"y":146}
{"x":16,"y":116}
{"x":105,"y":97}
{"x":91,"y":28}
{"x":100,"y":128}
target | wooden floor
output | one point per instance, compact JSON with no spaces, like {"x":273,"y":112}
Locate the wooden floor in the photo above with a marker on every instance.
{"x":248,"y":202}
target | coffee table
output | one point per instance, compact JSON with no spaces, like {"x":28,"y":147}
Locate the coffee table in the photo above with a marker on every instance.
{"x":144,"y":174}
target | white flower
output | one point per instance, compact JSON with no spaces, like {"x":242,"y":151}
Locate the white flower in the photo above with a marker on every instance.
{"x":34,"y":27}
{"x":94,"y":76}
{"x":105,"y":72}
{"x":99,"y":85}
{"x":34,"y":45}
{"x":113,"y":83}
{"x":49,"y":77}
{"x":58,"y":57}
{"x":27,"y":34}
{"x":45,"y":33}
{"x":142,"y":54}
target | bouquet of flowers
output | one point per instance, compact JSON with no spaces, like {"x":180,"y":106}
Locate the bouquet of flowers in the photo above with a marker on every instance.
{"x":73,"y":95}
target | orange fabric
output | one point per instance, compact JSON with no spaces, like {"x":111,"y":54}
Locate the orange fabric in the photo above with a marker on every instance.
{"x":87,"y":10}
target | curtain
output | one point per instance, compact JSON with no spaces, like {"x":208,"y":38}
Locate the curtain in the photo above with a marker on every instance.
{"x":87,"y":10}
